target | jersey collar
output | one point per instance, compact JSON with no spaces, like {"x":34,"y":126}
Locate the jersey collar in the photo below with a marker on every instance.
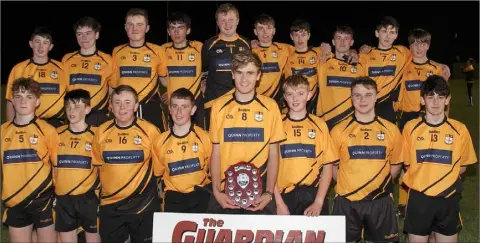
{"x":434,"y":125}
{"x":93,"y":54}
{"x":375,"y":119}
{"x":247,"y":102}
{"x":31,"y":121}
{"x":38,"y":64}
{"x":299,"y":120}
{"x":186,"y":134}
{"x":127,"y":127}
{"x":78,"y":133}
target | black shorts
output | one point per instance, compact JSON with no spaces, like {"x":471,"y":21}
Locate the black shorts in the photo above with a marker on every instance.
{"x":385,"y":110}
{"x":153,"y":113}
{"x":97,"y":117}
{"x":39,"y":213}
{"x":425,"y":214}
{"x":406,"y":117}
{"x":72,"y":211}
{"x":193,"y":202}
{"x":377,"y":218}
{"x":301,"y":198}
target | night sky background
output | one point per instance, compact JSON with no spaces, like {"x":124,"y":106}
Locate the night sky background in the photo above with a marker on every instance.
{"x":443,"y":20}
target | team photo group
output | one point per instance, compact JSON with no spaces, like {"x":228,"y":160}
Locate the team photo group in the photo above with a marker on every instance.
{"x":92,"y":146}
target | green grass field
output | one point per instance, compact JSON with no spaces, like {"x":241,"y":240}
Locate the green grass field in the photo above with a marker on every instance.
{"x":469,"y":203}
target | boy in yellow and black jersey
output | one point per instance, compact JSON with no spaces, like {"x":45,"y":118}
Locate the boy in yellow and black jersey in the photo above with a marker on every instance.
{"x":371,"y":154}
{"x":183,"y":154}
{"x":123,"y":149}
{"x":306,"y":157}
{"x":28,"y":146}
{"x":438,"y":151}
{"x":49,"y":73}
{"x":137,"y":64}
{"x":75,"y":178}
{"x":90,"y":69}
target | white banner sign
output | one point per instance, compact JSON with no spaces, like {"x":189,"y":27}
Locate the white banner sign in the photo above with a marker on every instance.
{"x":206,"y":228}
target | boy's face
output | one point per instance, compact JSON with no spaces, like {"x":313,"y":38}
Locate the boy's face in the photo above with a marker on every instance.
{"x":227,"y":23}
{"x":386,"y":36}
{"x":435,"y":104}
{"x":363,"y":98}
{"x":419,"y":49}
{"x":297,"y":97}
{"x":181,"y":110}
{"x":25,"y":102}
{"x":264,"y":32}
{"x":124,"y":106}
{"x":136,"y":27}
{"x":300,"y":38}
{"x":342,"y":42}
{"x":246,"y":78}
{"x":76,"y":111}
{"x":178,"y":32}
{"x":40,"y":46}
{"x":86,"y":37}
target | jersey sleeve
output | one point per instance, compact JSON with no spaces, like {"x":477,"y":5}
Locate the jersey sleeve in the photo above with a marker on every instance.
{"x":397,"y":156}
{"x":208,"y":151}
{"x":96,"y":150}
{"x":162,"y":70}
{"x":158,"y":158}
{"x":337,"y":143}
{"x":205,"y":60}
{"x":214,"y":133}
{"x":53,"y":140}
{"x":468,"y":152}
{"x":407,"y":145}
{"x":277,"y":133}
{"x":330,"y":154}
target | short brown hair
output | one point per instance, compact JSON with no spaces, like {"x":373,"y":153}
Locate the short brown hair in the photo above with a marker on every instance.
{"x":44,"y":32}
{"x":137,"y":12}
{"x":264,"y":19}
{"x":27,"y":84}
{"x":296,"y":80}
{"x":388,"y":21}
{"x":225,"y":8}
{"x":299,"y":24}
{"x":243,"y":58}
{"x":77,"y":96}
{"x":365,"y":81}
{"x":89,"y":22}
{"x":182,"y":93}
{"x":125,"y":88}
{"x":419,"y":35}
{"x":343,"y":30}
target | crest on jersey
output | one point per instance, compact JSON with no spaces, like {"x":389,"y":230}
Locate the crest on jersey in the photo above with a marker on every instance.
{"x":353,"y":69}
{"x":449,"y":139}
{"x":381,"y":135}
{"x":218,"y":51}
{"x":54,"y":75}
{"x":97,"y":66}
{"x":191,"y":57}
{"x":88,"y":147}
{"x":147,"y":58}
{"x":274,"y":54}
{"x":195,"y":147}
{"x":312,"y":60}
{"x":393,"y":57}
{"x":429,"y":73}
{"x":34,"y":139}
{"x":259,"y":116}
{"x":311,"y":133}
{"x":137,"y":140}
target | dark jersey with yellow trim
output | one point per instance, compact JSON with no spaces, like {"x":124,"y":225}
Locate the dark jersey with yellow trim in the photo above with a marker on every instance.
{"x":245,"y":130}
{"x":413,"y":77}
{"x":26,"y":154}
{"x":434,"y":154}
{"x":137,"y":67}
{"x":217,"y":56}
{"x":335,"y":78}
{"x":274,"y":59}
{"x":182,"y":67}
{"x":125,"y":157}
{"x":73,"y":171}
{"x":308,"y":147}
{"x":92,"y":73}
{"x":184,"y":161}
{"x":53,"y":85}
{"x":366,"y":152}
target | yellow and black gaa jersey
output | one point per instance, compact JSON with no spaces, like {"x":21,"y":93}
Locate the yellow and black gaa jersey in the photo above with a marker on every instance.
{"x":304,"y":63}
{"x":125,"y":157}
{"x":92,"y":73}
{"x":73,"y":172}
{"x":53,"y":85}
{"x":137,"y":67}
{"x":26,"y":154}
{"x":217,"y":56}
{"x":308,"y":147}
{"x":274,"y":58}
{"x":413,"y":77}
{"x":434,"y":155}
{"x":182,"y":67}
{"x":335,"y":78}
{"x":244,"y":130}
{"x":184,"y":161}
{"x":366,"y":152}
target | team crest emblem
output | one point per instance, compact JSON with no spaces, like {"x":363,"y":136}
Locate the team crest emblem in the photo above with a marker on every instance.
{"x":195,"y":147}
{"x":218,"y":51}
{"x":137,"y":140}
{"x":54,"y":75}
{"x":429,"y":73}
{"x":34,"y":139}
{"x":380,"y":135}
{"x":88,"y":147}
{"x":274,"y":54}
{"x":147,"y":58}
{"x":448,"y":139}
{"x":353,"y":69}
{"x":393,"y":57}
{"x":259,"y":116}
{"x":311,"y":133}
{"x":312,"y":60}
{"x":97,"y":66}
{"x":191,"y":57}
